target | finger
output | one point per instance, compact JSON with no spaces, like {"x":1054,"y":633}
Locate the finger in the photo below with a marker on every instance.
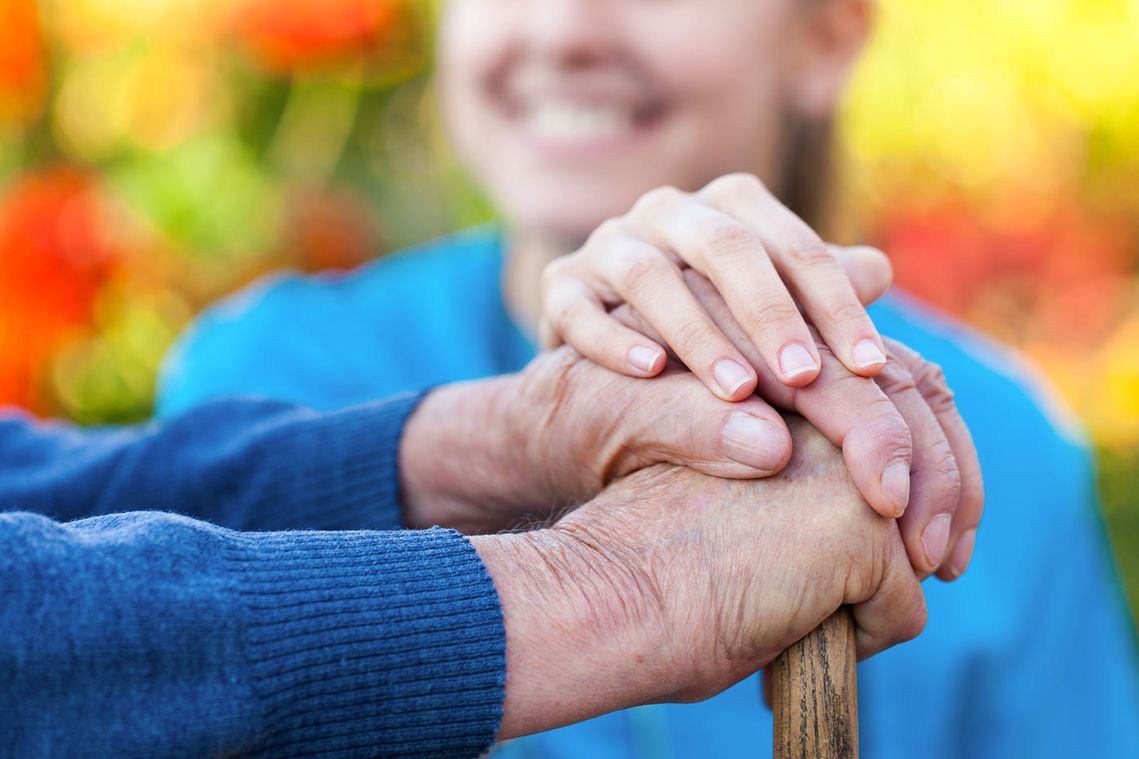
{"x":578,"y":317}
{"x":876,"y":441}
{"x":808,"y":267}
{"x":850,"y":411}
{"x":677,"y":422}
{"x":935,"y":480}
{"x":652,"y":284}
{"x":868,"y":270}
{"x":733,"y":257}
{"x":896,"y":612}
{"x":931,"y":384}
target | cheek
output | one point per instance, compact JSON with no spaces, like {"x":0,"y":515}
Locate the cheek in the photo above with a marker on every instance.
{"x":731,"y":124}
{"x":469,"y":46}
{"x":729,"y":96}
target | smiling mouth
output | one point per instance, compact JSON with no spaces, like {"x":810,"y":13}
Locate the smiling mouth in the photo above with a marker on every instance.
{"x":565,"y":121}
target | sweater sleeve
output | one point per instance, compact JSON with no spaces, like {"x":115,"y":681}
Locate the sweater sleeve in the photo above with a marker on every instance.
{"x":248,"y":464}
{"x":147,"y":634}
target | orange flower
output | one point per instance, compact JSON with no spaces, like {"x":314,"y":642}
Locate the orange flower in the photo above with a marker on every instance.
{"x":1062,"y":278}
{"x":23,"y":77}
{"x":304,"y":34}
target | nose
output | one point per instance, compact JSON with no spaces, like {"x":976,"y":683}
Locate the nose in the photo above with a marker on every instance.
{"x":570,"y":32}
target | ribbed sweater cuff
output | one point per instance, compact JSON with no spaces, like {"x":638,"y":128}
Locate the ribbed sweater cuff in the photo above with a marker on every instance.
{"x":366,"y":643}
{"x":347,"y":465}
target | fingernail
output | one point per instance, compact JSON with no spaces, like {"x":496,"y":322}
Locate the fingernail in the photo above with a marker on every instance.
{"x":896,"y":485}
{"x":754,"y":442}
{"x":730,"y":376}
{"x":963,"y":553}
{"x":644,"y":358}
{"x":935,"y":538}
{"x":866,"y":353}
{"x":794,"y":360}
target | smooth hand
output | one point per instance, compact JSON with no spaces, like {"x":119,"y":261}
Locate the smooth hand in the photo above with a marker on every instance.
{"x":774,"y":271}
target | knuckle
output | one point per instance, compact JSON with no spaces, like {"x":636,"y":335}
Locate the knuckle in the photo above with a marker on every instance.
{"x":555,"y":272}
{"x":890,"y":429}
{"x":610,"y":228}
{"x":806,"y":249}
{"x":639,"y":270}
{"x":941,"y":402}
{"x":772,"y":314}
{"x":930,"y":379}
{"x":734,"y":184}
{"x":565,"y":315}
{"x":657,"y":200}
{"x":895,"y":379}
{"x":948,"y":477}
{"x":844,"y":311}
{"x":553,"y":368}
{"x":731,"y":240}
{"x":690,"y":337}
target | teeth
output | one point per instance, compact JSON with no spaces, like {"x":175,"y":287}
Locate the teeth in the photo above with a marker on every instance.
{"x":562,"y":120}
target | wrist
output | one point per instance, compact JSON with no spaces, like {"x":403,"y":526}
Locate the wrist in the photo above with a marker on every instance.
{"x":464,"y":458}
{"x":584,"y":632}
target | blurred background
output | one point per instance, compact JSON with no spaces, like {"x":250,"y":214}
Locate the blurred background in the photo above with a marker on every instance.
{"x":156,"y":154}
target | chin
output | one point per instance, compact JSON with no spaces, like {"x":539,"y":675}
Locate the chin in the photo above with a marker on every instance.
{"x":566,"y":225}
{"x":567,"y":212}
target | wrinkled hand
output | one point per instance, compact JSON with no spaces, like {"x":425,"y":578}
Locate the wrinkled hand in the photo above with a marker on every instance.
{"x":675,"y":585}
{"x":488,"y":455}
{"x":905,"y":443}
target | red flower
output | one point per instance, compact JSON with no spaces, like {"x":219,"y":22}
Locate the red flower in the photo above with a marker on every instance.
{"x":1060,"y":278}
{"x":54,"y":258}
{"x":328,"y":228}
{"x":303,"y":34}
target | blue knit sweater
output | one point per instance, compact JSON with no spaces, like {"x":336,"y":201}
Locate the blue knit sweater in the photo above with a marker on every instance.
{"x":153,"y":634}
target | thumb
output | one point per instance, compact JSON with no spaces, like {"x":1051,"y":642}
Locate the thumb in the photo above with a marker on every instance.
{"x":868,"y":269}
{"x":685,"y":424}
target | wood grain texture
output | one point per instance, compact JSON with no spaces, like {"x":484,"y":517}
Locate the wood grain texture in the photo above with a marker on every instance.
{"x":815,"y":694}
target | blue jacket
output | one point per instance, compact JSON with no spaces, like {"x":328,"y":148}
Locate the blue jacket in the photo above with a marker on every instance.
{"x":1030,"y":654}
{"x":151,"y":634}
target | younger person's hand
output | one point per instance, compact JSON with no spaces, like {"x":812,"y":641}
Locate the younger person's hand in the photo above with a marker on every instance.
{"x":905,"y":444}
{"x":764,"y":260}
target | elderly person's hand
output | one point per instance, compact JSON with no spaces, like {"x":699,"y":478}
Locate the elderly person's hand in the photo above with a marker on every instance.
{"x":508,"y":451}
{"x":903,"y":438}
{"x":672,"y":585}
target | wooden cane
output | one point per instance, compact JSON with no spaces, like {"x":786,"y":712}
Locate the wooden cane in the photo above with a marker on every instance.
{"x":815,"y":694}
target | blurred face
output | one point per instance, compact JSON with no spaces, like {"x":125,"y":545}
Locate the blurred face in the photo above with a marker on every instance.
{"x":568,"y":110}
